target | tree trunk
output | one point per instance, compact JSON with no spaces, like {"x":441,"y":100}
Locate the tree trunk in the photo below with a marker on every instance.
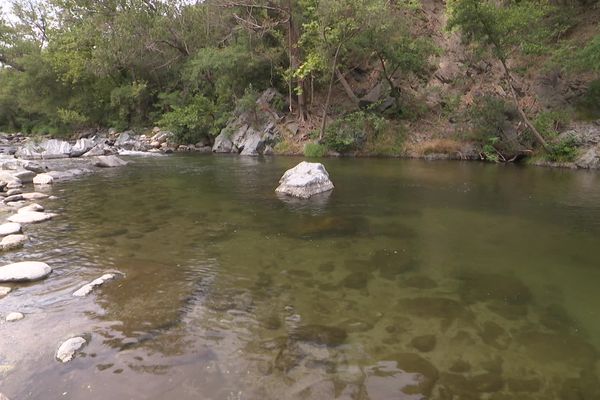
{"x":347,"y":87}
{"x":326,"y":108}
{"x":524,"y":117}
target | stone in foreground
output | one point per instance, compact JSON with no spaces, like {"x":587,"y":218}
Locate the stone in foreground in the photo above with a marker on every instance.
{"x":109,"y":162}
{"x":66,"y":351}
{"x":88,"y":287}
{"x":24,"y":271}
{"x":305,"y":180}
{"x":30,"y":217}
{"x":14,"y":316}
{"x":12,"y":242}
{"x":9,"y":228}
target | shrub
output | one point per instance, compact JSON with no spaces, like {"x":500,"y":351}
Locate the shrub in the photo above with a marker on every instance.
{"x":315,"y":150}
{"x":589,"y":105}
{"x":491,"y":118}
{"x":549,"y":123}
{"x":350,"y":132}
{"x":563,"y":151}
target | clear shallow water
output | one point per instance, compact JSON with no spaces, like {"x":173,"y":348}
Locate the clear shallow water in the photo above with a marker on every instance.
{"x":411,"y":280}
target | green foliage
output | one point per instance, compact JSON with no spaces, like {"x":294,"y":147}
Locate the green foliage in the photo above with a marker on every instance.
{"x":315,"y":150}
{"x":549,"y":123}
{"x":198,"y":118}
{"x":350,"y":132}
{"x":563,"y":151}
{"x":491,"y":117}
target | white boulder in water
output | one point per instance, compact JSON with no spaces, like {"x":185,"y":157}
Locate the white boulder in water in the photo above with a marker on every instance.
{"x":24,"y":271}
{"x":34,"y":196}
{"x":305,"y":180}
{"x":66,"y":351}
{"x":43,"y":179}
{"x":9,"y":228}
{"x":12,"y":242}
{"x":88,"y":287}
{"x":30,"y":217}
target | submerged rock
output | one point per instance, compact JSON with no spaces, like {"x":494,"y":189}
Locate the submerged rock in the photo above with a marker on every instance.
{"x":478,"y":286}
{"x":24,"y":271}
{"x":12,"y":242}
{"x":305,"y":180}
{"x":9,"y":228}
{"x":14,"y":316}
{"x":320,"y":334}
{"x":109,"y":162}
{"x":88,"y":287}
{"x":424,"y":343}
{"x":67,"y":350}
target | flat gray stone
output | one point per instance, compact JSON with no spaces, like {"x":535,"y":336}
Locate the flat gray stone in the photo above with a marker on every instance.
{"x":109,"y":162}
{"x":67,"y":350}
{"x":24,"y":271}
{"x":34,"y":196}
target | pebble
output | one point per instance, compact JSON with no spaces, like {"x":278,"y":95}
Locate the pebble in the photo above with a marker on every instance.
{"x":66,"y":351}
{"x":14,"y":316}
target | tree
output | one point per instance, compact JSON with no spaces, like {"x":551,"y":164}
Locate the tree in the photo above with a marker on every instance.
{"x":500,"y":29}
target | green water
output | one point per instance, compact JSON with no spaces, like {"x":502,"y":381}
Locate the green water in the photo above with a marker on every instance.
{"x":411,"y":280}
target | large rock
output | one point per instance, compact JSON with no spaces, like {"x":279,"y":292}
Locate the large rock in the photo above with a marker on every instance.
{"x":43,"y":179}
{"x":29,"y":151}
{"x":223,"y":143}
{"x":98,"y":150}
{"x":30,"y":217}
{"x":66,"y":351}
{"x":24,"y":271}
{"x":590,"y":159}
{"x":25,"y":176}
{"x":55,"y":148}
{"x":305,"y":180}
{"x":9,"y":228}
{"x":82,"y":146}
{"x":12,"y":242}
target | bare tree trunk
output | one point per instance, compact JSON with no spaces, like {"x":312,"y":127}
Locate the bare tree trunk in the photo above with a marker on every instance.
{"x":326,"y":108}
{"x":536,"y":133}
{"x":347,"y":87}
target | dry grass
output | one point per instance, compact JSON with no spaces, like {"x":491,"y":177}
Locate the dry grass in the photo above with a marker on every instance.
{"x":436,"y":146}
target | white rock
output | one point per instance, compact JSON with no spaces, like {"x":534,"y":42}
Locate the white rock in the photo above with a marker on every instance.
{"x":31,"y":207}
{"x":12,"y":192}
{"x":305,"y":180}
{"x":34,"y":196}
{"x":4,"y":290}
{"x":30,"y":217}
{"x":67,"y":350}
{"x":24,"y":271}
{"x":14,"y":184}
{"x":9,"y":228}
{"x":14,"y":316}
{"x":88,"y":287}
{"x":23,"y":175}
{"x":12,"y":242}
{"x":43,"y":179}
{"x":109,"y":162}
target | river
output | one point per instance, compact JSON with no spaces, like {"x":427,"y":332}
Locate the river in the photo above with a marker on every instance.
{"x":411,"y":280}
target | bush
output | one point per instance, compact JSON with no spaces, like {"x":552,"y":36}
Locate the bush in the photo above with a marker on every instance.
{"x":491,"y":118}
{"x":563,"y":151}
{"x":315,"y":150}
{"x":549,"y":123}
{"x":350,"y":132}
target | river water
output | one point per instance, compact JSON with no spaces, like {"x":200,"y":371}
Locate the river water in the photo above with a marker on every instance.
{"x":411,"y":280}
